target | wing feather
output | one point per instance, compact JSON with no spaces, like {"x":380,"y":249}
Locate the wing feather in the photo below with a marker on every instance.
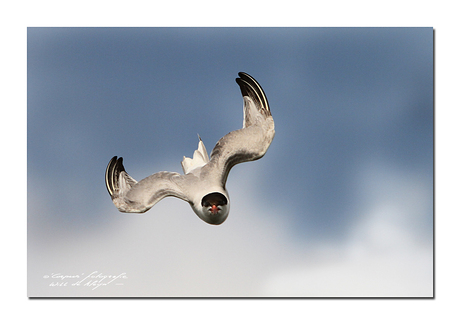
{"x":131,"y":196}
{"x":246,"y":144}
{"x":252,"y":141}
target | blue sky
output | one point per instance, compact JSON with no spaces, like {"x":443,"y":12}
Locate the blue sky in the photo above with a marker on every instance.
{"x":348,"y":179}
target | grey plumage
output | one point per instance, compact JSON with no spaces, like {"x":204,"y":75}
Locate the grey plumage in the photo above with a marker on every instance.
{"x":205,"y":178}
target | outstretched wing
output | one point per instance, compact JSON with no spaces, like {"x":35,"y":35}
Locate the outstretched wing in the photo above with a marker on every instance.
{"x":130,"y":196}
{"x":252,"y":141}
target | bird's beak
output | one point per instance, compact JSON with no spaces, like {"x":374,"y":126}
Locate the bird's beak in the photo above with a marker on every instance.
{"x":214,"y":209}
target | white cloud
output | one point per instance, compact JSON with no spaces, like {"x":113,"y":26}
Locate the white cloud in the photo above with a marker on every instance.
{"x":384,"y":256}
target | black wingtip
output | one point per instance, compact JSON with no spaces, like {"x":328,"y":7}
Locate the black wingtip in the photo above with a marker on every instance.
{"x":244,"y":75}
{"x":119,"y":165}
{"x":251,"y":88}
{"x":109,"y":175}
{"x":114,"y":168}
{"x":244,"y":81}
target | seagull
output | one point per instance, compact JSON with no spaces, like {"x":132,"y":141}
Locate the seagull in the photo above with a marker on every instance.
{"x":203,"y":183}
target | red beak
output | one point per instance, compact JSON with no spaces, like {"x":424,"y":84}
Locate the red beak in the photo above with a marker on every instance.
{"x":214,"y":209}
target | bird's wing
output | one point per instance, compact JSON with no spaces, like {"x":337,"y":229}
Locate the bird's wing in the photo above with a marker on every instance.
{"x":131,"y":196}
{"x":250,"y":142}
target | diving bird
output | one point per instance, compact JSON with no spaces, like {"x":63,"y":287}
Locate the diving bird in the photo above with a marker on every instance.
{"x":203,"y":183}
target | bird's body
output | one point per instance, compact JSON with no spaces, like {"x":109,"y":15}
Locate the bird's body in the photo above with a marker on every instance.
{"x":203,"y":183}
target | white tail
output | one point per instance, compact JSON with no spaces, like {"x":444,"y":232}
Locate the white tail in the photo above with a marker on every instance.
{"x":200,"y":158}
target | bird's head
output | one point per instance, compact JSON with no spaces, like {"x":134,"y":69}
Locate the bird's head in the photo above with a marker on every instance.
{"x":214,"y":208}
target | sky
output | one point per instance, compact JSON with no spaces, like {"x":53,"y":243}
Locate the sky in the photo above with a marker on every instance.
{"x":340,"y":206}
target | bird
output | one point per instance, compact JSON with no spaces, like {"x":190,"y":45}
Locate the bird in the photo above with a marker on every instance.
{"x":203,"y":184}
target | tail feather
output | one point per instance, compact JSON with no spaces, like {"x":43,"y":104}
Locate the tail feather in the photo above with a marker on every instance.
{"x":200,"y":158}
